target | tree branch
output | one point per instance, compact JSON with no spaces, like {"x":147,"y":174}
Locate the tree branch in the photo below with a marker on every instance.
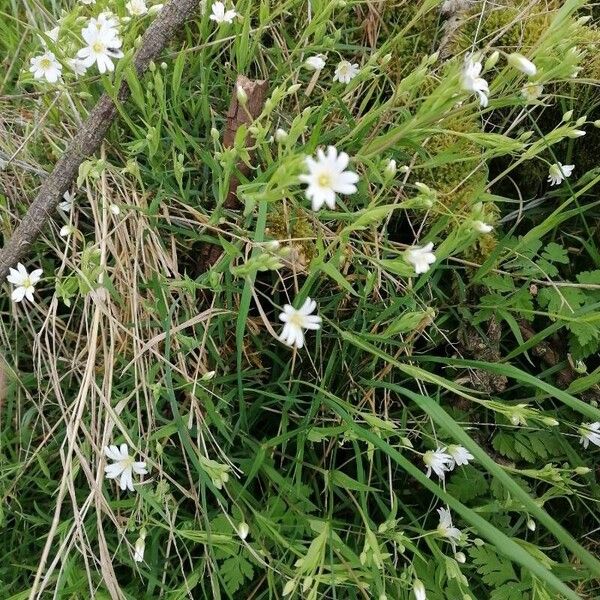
{"x":89,"y":137}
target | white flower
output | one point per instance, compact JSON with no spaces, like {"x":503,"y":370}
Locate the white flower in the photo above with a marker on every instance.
{"x":421,"y":257}
{"x":52,"y":34}
{"x":327,"y":176}
{"x":106,"y":22}
{"x":481,"y":227}
{"x":243,"y":530}
{"x":140,"y":546}
{"x":296,"y":321}
{"x":65,"y":230}
{"x":24,"y":282}
{"x":345,"y":71}
{"x":438,"y":461}
{"x":460,"y":455}
{"x":316,"y":62}
{"x":123,"y":467}
{"x":472,"y":82}
{"x":446,"y":528}
{"x":559,"y":172}
{"x":115,"y":209}
{"x":590,"y":432}
{"x":87,"y":1}
{"x":532,"y":91}
{"x":220,"y":15}
{"x":460,"y":557}
{"x":77,"y":66}
{"x":46,"y":66}
{"x":136,"y":8}
{"x":102,"y":46}
{"x":419,"y":590}
{"x":519,"y":62}
{"x":67,"y":204}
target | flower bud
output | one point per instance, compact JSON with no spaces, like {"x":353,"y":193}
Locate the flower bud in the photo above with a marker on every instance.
{"x":519,"y":62}
{"x":243,"y":530}
{"x":581,"y":121}
{"x":390,"y":169}
{"x":460,"y":557}
{"x":242,"y":96}
{"x":490,"y":63}
{"x":208,"y":376}
{"x":294,"y":88}
{"x":550,"y":421}
{"x":567,"y":116}
{"x":576,"y":133}
{"x":214,"y":133}
{"x":281,"y":135}
{"x":531,"y":524}
{"x":419,"y":590}
{"x":582,"y":470}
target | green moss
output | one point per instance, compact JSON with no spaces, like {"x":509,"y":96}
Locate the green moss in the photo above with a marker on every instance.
{"x":282,"y":224}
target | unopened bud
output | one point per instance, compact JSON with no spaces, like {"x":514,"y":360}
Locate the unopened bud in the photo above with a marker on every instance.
{"x":490,"y":63}
{"x":242,"y":96}
{"x":567,"y":116}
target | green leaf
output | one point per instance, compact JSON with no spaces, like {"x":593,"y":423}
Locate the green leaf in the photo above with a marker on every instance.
{"x":493,"y":568}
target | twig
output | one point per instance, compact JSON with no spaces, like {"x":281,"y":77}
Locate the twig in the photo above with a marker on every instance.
{"x":88,"y":139}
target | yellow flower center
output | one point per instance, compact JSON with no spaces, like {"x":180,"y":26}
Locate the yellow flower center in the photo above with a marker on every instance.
{"x":324,"y":180}
{"x":46,"y":64}
{"x":26,"y":282}
{"x":98,"y":47}
{"x":296,"y":319}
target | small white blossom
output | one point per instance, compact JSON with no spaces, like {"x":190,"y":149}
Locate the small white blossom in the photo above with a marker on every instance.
{"x":345,"y":71}
{"x":481,"y":227}
{"x":77,"y":67}
{"x":123,"y":467}
{"x":446,"y":528}
{"x":65,"y":230}
{"x":472,"y":82}
{"x":220,"y":15}
{"x":421,"y":257}
{"x":531,"y":524}
{"x":460,"y":455}
{"x":327,"y":177}
{"x":532,"y":91}
{"x":419,"y":590}
{"x":243,"y":530}
{"x":102,"y":46}
{"x":460,"y":557}
{"x":136,"y":8}
{"x":519,"y":62}
{"x":438,"y":461}
{"x":316,"y":62}
{"x":589,"y":432}
{"x":45,"y":66}
{"x":115,"y":209}
{"x":106,"y":23}
{"x":52,"y":34}
{"x":559,"y":172}
{"x":67,"y":203}
{"x":296,"y":321}
{"x":24,"y":282}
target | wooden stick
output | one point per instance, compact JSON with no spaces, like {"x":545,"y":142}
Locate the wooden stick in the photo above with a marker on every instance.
{"x":88,"y":139}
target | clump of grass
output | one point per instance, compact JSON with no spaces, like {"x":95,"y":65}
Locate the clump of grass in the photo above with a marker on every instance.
{"x":302,"y":472}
